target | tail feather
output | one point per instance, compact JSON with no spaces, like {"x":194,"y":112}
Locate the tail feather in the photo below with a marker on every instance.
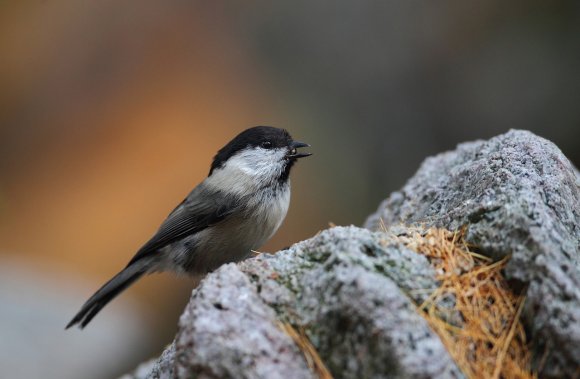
{"x":106,"y":293}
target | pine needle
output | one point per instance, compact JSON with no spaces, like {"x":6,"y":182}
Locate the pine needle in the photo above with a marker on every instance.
{"x":488,"y":339}
{"x":301,"y":340}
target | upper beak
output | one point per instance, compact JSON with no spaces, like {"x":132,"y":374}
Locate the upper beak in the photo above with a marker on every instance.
{"x":294,"y":154}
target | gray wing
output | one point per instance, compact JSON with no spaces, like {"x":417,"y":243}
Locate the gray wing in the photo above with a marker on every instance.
{"x":199,"y":210}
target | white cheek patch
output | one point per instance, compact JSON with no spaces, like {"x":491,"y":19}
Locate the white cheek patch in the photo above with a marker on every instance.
{"x":248,"y":170}
{"x":258,"y":161}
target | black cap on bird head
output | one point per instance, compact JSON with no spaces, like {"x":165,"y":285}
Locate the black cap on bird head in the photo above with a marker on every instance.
{"x":267,"y":137}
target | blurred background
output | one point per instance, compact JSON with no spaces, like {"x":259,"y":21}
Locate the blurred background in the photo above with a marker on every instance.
{"x":110,"y":112}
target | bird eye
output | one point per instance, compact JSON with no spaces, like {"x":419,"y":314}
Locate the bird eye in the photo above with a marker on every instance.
{"x":267,"y":145}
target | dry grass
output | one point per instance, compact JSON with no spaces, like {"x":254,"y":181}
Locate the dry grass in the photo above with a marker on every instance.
{"x":482,"y":331}
{"x":301,"y":340}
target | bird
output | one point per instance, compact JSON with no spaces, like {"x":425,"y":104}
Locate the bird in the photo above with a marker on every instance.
{"x":232,"y":212}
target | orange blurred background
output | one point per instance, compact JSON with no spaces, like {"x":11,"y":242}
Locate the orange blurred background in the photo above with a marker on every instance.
{"x":110,"y":112}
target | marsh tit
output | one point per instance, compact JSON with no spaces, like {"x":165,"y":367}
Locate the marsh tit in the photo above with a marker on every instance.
{"x":235,"y":210}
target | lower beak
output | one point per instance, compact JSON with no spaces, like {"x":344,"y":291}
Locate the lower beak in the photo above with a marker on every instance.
{"x":294,"y":154}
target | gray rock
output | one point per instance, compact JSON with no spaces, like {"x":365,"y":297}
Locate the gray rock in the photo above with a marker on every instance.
{"x":164,"y":367}
{"x":517,"y":194}
{"x":350,"y":289}
{"x":227,"y":331}
{"x":161,"y":368}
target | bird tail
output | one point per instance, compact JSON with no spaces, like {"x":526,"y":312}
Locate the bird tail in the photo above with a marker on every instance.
{"x":108,"y":292}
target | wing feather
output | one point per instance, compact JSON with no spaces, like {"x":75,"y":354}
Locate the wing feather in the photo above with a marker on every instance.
{"x":198,"y":211}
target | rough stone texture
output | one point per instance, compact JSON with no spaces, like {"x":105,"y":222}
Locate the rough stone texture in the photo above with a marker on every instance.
{"x":353,"y":293}
{"x":349,"y":288}
{"x":227,"y":331}
{"x":517,"y":194}
{"x":161,"y":368}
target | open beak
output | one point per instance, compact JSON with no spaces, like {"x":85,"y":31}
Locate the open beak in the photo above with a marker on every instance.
{"x":293,"y":154}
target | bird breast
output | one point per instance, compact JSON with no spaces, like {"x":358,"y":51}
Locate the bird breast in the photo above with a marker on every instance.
{"x":233,"y":239}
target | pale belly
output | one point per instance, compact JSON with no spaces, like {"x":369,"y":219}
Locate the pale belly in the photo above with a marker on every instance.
{"x":231,"y":240}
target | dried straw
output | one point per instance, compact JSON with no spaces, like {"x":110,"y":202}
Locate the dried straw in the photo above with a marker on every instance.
{"x":482,"y":330}
{"x":301,"y":340}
